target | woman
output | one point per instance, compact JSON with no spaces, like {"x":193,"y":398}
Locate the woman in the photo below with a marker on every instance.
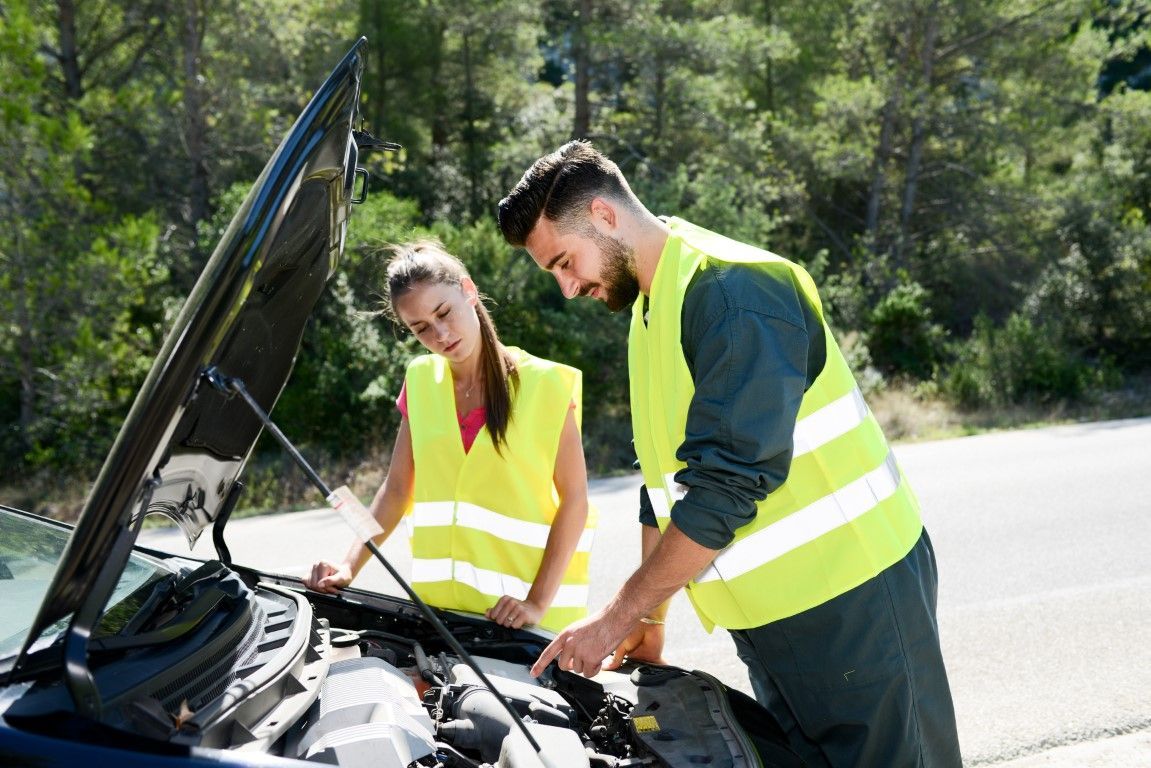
{"x":488,"y":460}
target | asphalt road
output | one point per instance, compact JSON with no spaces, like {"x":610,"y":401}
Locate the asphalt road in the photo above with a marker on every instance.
{"x":1045,"y":593}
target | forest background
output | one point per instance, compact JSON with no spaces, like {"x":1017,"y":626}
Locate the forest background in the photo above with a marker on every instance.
{"x":969,"y":181}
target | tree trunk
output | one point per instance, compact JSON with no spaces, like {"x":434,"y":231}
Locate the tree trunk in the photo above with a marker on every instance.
{"x":471,"y":160}
{"x":68,"y":54}
{"x":659,"y":96}
{"x":440,"y":116}
{"x":768,"y":76}
{"x":581,"y":127}
{"x":25,"y":350}
{"x":372,"y":14}
{"x":918,"y":133}
{"x":195,"y":121}
{"x":883,"y":150}
{"x":879,"y":165}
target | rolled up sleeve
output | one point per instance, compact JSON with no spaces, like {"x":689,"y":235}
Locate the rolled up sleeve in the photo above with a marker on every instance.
{"x":747,"y":345}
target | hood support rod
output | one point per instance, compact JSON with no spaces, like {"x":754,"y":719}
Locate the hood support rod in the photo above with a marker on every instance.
{"x":78,"y":677}
{"x":230,"y":386}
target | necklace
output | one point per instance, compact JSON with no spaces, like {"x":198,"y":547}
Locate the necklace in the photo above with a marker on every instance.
{"x":464,"y":402}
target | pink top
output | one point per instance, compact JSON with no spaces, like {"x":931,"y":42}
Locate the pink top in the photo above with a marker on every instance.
{"x":470,"y":424}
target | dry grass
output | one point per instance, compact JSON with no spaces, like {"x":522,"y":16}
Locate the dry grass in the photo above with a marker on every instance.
{"x":909,"y":413}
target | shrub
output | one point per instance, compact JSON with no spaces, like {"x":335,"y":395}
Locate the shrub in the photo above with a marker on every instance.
{"x":1021,"y":361}
{"x":901,"y":334}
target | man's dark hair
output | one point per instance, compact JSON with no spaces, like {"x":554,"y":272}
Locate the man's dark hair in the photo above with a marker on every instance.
{"x":560,"y":187}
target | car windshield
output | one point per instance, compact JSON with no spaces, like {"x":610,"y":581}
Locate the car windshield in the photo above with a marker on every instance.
{"x":30,"y":550}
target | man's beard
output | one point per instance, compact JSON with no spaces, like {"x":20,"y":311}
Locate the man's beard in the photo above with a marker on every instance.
{"x":618,"y":274}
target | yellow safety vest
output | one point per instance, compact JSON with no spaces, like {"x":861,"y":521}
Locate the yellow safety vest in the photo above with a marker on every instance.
{"x":480,"y":520}
{"x":845,"y":512}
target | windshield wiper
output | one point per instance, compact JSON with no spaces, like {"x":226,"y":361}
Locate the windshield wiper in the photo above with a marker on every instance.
{"x":176,"y":596}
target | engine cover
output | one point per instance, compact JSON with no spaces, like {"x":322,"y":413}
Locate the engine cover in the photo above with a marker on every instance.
{"x":368,"y":714}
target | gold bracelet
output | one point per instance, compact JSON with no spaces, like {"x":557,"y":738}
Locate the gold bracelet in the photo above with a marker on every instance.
{"x":649,"y":620}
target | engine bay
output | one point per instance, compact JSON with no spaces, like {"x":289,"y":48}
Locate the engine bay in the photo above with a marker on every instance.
{"x":389,"y":700}
{"x":225,"y":660}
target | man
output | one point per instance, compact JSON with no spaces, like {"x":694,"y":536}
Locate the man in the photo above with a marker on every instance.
{"x":778,"y":502}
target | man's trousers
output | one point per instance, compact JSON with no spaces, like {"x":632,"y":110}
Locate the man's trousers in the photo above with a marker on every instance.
{"x":859,"y":680}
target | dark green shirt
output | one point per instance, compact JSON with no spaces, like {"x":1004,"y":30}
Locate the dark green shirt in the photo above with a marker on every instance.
{"x":753,"y":344}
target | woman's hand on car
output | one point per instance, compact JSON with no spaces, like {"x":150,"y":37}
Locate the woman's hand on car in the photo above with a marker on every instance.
{"x":329,"y":578}
{"x":510,"y":612}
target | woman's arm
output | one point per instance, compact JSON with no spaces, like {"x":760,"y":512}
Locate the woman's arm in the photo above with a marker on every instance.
{"x":570,"y":478}
{"x":392,"y":499}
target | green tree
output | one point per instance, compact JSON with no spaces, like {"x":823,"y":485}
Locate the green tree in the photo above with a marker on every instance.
{"x":453,"y":78}
{"x":919,"y":142}
{"x":74,"y":290}
{"x":183,"y":99}
{"x":342,"y":393}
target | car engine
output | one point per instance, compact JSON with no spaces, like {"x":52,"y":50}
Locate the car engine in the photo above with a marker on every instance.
{"x":389,"y":701}
{"x":222,"y":658}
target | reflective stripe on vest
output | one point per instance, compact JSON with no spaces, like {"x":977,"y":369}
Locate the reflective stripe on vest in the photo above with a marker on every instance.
{"x":835,"y":509}
{"x":813,"y":431}
{"x":480,"y":519}
{"x":436,"y":513}
{"x":844,"y":513}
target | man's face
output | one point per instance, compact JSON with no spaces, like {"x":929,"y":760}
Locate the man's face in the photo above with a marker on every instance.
{"x":586,"y":263}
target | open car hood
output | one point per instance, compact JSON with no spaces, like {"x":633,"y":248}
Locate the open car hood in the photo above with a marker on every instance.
{"x":183,"y":444}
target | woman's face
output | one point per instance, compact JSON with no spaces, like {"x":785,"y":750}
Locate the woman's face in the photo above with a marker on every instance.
{"x":443,"y":318}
